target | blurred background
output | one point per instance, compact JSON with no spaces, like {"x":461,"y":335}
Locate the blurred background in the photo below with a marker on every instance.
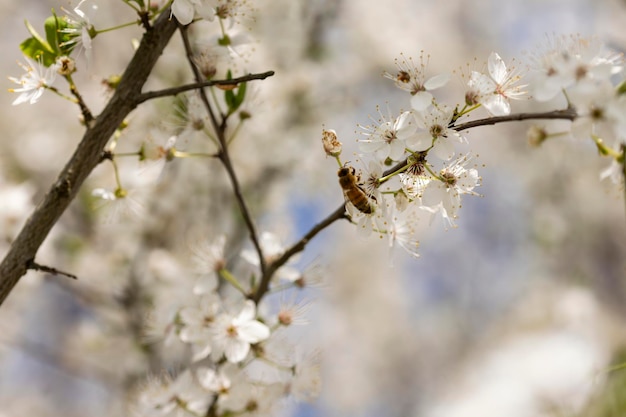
{"x":519,"y":311}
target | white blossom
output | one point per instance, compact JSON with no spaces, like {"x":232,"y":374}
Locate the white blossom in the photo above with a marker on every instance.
{"x":493,"y":91}
{"x":403,"y":230}
{"x":185,"y":10}
{"x":209,"y":260}
{"x":434,"y":132}
{"x":386,"y":139}
{"x":167,"y":397}
{"x":413,"y":79}
{"x":34,"y":82}
{"x":592,"y":101}
{"x":233,"y":335}
{"x":443,"y":195}
{"x":198,"y":325}
{"x":566,"y":61}
{"x":79,"y":26}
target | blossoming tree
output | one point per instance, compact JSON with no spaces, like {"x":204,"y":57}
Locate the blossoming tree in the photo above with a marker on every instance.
{"x":220,"y":315}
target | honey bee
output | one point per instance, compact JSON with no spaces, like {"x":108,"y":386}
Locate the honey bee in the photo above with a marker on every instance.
{"x":353,"y":191}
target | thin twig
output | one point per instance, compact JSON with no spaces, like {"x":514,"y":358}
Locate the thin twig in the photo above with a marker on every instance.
{"x":195,"y":86}
{"x":338,"y":214}
{"x":198,"y":77}
{"x":87,"y":115}
{"x":566,"y":114}
{"x":224,"y":156}
{"x":36,"y":267}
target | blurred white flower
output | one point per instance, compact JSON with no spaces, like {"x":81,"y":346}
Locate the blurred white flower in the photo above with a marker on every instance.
{"x":247,"y":399}
{"x":209,"y":260}
{"x":191,"y":118}
{"x":34,"y":82}
{"x":566,"y":61}
{"x":306,"y":381}
{"x":218,"y":381}
{"x":293,"y":312}
{"x":16,"y":206}
{"x":119,"y":202}
{"x":185,"y":10}
{"x":272,"y":249}
{"x":616,"y":110}
{"x":181,"y":397}
{"x":613,"y":172}
{"x":592,"y":101}
{"x":197,"y":325}
{"x":152,"y":152}
{"x":233,"y":335}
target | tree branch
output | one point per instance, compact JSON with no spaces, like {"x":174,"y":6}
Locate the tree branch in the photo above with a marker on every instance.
{"x":36,"y":267}
{"x":339,"y":213}
{"x":566,"y":114}
{"x":224,"y":155}
{"x":86,"y":156}
{"x":195,"y":86}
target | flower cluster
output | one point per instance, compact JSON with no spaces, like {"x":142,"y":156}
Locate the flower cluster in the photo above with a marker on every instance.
{"x":226,"y":333}
{"x":418,"y":187}
{"x":590,"y":78}
{"x":416,"y":169}
{"x":429,"y":173}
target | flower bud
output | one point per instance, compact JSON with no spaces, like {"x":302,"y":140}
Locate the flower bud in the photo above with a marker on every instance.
{"x":332,"y":146}
{"x":537,"y":135}
{"x":65,"y":65}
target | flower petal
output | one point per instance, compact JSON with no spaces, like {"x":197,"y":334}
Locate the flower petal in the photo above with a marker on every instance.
{"x":421,"y":100}
{"x":253,"y":332}
{"x":437,"y":81}
{"x":183,"y":10}
{"x":236,"y":350}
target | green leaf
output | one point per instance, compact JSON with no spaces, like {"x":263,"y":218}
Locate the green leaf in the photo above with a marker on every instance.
{"x":51,"y":27}
{"x":229,"y":97}
{"x":241,"y":94}
{"x":65,"y":40}
{"x":37,"y":37}
{"x":34,"y":49}
{"x":56,"y":35}
{"x":234,"y":101}
{"x":37,"y":48}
